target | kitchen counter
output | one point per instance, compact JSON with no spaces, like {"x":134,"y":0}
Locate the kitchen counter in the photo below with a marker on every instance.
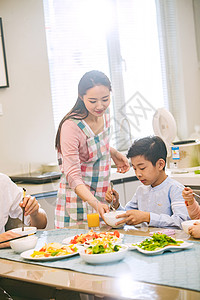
{"x":188,"y":179}
{"x":56,"y":283}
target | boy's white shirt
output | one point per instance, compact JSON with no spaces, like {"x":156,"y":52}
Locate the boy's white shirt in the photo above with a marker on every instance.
{"x":164,"y":202}
{"x":10,"y":197}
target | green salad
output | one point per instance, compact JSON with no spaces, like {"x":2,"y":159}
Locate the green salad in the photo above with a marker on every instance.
{"x":102,"y":248}
{"x":158,"y":241}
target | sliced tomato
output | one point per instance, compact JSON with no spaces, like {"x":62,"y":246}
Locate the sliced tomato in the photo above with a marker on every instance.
{"x":46,"y":255}
{"x":116,"y":233}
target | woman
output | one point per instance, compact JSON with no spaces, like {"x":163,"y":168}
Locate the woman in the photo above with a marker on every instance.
{"x":82,"y":143}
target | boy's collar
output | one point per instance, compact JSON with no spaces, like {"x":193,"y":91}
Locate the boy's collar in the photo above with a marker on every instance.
{"x":161,"y":184}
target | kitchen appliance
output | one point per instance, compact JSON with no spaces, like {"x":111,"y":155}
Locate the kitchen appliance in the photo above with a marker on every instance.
{"x":182,"y":156}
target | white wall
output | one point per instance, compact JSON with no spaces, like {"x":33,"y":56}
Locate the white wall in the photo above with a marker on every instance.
{"x":190,"y":66}
{"x":26,"y":128}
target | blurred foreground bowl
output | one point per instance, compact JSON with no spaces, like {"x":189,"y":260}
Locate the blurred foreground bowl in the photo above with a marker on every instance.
{"x":23,"y":244}
{"x":187,"y":224}
{"x":27,"y":230}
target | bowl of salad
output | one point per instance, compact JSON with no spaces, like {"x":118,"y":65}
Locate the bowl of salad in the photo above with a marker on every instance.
{"x":103,"y":253}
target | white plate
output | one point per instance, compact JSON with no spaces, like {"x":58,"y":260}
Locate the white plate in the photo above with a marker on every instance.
{"x":183,"y":246}
{"x":104,"y":257}
{"x":27,"y":255}
{"x":69,"y":238}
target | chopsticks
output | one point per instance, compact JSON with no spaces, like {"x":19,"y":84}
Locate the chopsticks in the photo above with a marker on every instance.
{"x":23,"y":208}
{"x":16,"y":238}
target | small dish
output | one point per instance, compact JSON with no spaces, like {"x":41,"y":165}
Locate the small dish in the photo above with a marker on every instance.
{"x":187,"y":224}
{"x":110,"y":218}
{"x":23,"y":244}
{"x":27,"y":230}
{"x":105,"y":257}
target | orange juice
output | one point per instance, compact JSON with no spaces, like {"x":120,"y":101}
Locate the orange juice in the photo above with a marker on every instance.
{"x":93,"y":220}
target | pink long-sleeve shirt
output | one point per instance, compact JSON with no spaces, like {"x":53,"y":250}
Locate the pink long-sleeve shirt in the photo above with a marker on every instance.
{"x":194,"y":210}
{"x":74,"y":151}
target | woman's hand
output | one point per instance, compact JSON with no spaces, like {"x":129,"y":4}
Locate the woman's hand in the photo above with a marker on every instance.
{"x":194,"y":230}
{"x":188,"y":196}
{"x":102,"y":209}
{"x":120,"y":161}
{"x":112,"y":194}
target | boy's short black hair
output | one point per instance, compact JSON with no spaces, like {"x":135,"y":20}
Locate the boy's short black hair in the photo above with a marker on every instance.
{"x":152,"y":148}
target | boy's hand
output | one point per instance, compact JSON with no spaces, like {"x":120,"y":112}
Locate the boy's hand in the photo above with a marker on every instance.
{"x":194,"y":230}
{"x":112,"y":194}
{"x":31,"y":206}
{"x":188,"y":196}
{"x":134,"y":217}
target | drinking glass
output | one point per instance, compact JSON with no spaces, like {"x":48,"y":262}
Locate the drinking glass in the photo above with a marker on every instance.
{"x":93,"y":217}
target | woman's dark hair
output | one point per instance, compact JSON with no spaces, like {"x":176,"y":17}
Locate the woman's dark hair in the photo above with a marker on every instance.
{"x":79,"y":111}
{"x":152,"y":148}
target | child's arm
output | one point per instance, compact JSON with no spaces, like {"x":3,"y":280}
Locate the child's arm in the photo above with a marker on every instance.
{"x":188,"y":196}
{"x":112,"y":194}
{"x":134,"y":217}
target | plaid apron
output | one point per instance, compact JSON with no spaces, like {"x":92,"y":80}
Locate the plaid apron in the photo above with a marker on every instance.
{"x":71,"y":209}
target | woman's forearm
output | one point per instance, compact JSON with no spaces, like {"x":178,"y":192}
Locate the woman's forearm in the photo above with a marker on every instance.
{"x":83,"y":192}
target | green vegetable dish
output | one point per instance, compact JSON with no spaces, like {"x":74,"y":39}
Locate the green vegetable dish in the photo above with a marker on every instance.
{"x":158,"y":241}
{"x":102,"y":248}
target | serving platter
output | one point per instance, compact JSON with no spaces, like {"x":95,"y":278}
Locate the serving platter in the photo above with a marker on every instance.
{"x":184,"y":245}
{"x":27,"y":255}
{"x":69,"y":239}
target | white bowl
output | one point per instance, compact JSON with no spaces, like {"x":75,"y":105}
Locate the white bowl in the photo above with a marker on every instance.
{"x":23,"y":244}
{"x":110,"y":218}
{"x":104,"y":257}
{"x":187,"y":224}
{"x":27,"y":230}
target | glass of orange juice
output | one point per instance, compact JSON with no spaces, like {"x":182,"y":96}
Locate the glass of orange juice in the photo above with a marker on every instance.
{"x":93,"y":217}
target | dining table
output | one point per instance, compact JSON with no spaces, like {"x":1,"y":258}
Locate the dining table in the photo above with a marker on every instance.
{"x":171,"y":275}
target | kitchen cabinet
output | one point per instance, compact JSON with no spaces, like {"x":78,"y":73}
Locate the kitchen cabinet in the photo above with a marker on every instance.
{"x":47,"y":201}
{"x":126,"y":190}
{"x":130,"y":189}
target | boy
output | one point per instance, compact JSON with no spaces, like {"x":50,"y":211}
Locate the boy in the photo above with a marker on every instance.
{"x":159,"y":200}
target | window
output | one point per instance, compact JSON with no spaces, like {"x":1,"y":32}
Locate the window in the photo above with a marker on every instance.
{"x":118,"y":37}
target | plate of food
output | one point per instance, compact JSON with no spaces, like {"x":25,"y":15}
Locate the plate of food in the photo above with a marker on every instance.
{"x":158,"y":244}
{"x":103,"y":253}
{"x":86,"y":238}
{"x":51,"y":251}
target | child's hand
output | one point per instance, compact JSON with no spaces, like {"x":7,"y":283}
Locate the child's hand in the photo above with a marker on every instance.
{"x":134,"y":217}
{"x":112,"y":194}
{"x":31,"y":206}
{"x":188,"y":196}
{"x":194,"y":230}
